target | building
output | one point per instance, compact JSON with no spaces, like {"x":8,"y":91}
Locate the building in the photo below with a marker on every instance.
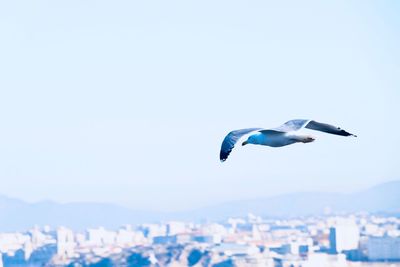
{"x":384,"y":248}
{"x":174,"y":228}
{"x":65,"y":242}
{"x":344,"y":236}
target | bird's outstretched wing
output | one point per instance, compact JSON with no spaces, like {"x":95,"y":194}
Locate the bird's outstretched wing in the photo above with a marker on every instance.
{"x":230,"y":140}
{"x":295,"y":125}
{"x":327,"y":128}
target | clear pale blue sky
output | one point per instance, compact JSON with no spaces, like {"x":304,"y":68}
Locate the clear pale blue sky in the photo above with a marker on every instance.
{"x":128,"y":101}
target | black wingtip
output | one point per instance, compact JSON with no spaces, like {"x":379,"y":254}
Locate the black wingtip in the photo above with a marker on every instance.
{"x":223,"y":156}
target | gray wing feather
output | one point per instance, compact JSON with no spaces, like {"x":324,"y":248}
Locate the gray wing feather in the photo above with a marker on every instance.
{"x":327,"y":128}
{"x":292,"y":125}
{"x":230,"y":140}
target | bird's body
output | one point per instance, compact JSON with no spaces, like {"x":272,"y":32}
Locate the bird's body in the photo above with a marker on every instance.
{"x":286,"y":134}
{"x":277,"y":139}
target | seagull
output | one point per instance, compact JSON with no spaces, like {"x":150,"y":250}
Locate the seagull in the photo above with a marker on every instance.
{"x":284,"y":135}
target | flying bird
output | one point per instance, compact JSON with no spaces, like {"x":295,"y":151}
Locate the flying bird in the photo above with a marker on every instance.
{"x":284,"y":135}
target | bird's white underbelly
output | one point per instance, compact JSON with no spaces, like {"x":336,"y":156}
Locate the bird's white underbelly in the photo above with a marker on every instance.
{"x":277,"y":140}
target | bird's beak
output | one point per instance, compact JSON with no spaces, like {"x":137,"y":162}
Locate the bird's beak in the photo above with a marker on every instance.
{"x":244,"y":143}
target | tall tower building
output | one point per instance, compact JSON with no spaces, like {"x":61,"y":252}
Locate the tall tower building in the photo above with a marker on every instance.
{"x":344,"y":236}
{"x":65,"y":242}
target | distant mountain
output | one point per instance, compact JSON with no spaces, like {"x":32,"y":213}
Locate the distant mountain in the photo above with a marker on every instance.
{"x":381,"y":198}
{"x":19,"y":215}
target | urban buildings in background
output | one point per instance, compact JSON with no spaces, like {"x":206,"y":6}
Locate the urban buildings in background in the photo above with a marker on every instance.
{"x":331,"y":241}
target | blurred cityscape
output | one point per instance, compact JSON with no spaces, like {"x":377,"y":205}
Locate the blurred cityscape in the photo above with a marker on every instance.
{"x":358,"y":239}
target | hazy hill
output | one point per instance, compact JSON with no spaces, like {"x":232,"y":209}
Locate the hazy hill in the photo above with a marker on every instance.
{"x":18,"y":215}
{"x":381,"y":198}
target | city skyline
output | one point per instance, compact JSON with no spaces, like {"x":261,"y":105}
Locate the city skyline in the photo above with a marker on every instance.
{"x":359,"y":239}
{"x":128,"y":103}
